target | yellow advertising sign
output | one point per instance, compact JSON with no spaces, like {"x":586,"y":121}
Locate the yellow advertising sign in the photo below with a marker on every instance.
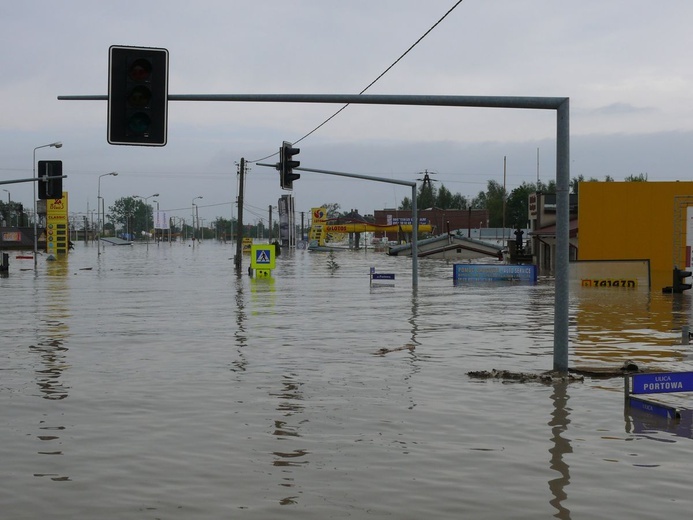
{"x":319,"y":215}
{"x":57,"y":230}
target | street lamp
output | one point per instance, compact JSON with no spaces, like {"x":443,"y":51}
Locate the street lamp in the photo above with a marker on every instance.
{"x":102,"y":209}
{"x":193,"y":219}
{"x":57,"y":144}
{"x":154,"y":223}
{"x":9,"y":217}
{"x":146,"y":211}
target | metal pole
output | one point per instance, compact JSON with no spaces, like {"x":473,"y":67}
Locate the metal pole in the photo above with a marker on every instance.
{"x":239,"y":231}
{"x":561,"y":312}
{"x":414,"y":240}
{"x":270,"y":224}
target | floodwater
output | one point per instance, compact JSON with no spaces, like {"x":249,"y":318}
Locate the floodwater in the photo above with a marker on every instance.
{"x":152,"y":382}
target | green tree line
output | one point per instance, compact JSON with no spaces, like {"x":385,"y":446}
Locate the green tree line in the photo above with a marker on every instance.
{"x":496,"y":198}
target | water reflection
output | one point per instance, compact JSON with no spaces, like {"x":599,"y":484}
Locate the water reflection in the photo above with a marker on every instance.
{"x":649,"y":425}
{"x":561,"y":446}
{"x":51,"y":349}
{"x":285,"y":428}
{"x":614,"y":325}
{"x":413,"y":355}
{"x":240,"y":334}
{"x":52,"y":332}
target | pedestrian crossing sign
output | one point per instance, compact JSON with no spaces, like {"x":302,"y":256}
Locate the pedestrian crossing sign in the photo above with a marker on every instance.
{"x":262,"y":256}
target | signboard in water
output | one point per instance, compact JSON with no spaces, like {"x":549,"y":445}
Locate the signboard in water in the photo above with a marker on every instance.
{"x":661,"y":383}
{"x":494,"y":273}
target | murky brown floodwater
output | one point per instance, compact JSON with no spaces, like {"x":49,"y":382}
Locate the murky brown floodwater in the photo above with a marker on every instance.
{"x":151,"y":382}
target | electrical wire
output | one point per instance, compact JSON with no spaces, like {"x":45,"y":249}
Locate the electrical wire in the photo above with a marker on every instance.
{"x":372,"y":82}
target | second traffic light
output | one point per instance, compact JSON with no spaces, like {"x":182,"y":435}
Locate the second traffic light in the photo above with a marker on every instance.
{"x":679,"y":276}
{"x":50,"y":188}
{"x":137,"y":96}
{"x":286,"y":165}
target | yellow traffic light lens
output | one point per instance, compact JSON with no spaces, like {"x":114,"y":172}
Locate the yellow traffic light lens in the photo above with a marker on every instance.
{"x":139,"y":97}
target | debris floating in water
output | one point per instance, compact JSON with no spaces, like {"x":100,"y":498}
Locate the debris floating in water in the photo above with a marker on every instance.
{"x":409,"y":346}
{"x":573,"y":375}
{"x":524,"y":377}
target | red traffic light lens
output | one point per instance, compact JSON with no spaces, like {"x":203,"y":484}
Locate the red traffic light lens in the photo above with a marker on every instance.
{"x":140,"y":70}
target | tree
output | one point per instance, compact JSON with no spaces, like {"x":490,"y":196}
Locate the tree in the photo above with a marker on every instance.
{"x":430,"y":197}
{"x":517,"y":205}
{"x":332,"y":209}
{"x":459,"y":201}
{"x":444,"y":198}
{"x":224,"y":227}
{"x":427,"y":196}
{"x":13,"y":213}
{"x":547,"y":188}
{"x":642,"y":177}
{"x":133,"y":215}
{"x":492,"y":200}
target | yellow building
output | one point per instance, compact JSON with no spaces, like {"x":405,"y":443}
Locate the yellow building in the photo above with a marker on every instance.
{"x":637,"y":220}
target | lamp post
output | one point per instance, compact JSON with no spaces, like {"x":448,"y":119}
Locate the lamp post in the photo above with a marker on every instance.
{"x":102,"y":209}
{"x":57,"y":144}
{"x":154,"y":221}
{"x":193,"y":219}
{"x":9,"y":216}
{"x":146,"y":212}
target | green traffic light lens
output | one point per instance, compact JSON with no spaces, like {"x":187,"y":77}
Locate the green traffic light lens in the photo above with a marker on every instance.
{"x":139,"y":97}
{"x":140,"y":70}
{"x":139,"y":123}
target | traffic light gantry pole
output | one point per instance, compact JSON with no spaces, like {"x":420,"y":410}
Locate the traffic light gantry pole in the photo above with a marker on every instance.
{"x":560,"y":104}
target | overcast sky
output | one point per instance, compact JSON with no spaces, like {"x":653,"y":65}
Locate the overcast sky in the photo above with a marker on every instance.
{"x":624,"y":64}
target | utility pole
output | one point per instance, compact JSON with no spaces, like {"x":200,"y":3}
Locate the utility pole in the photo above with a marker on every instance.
{"x":239,"y":231}
{"x":270,"y":224}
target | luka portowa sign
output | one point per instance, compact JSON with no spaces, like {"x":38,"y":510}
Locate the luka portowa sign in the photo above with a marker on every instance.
{"x":494,"y":273}
{"x":657,"y":383}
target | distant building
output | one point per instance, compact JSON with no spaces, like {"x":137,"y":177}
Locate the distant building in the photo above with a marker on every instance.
{"x":442,"y":220}
{"x":542,"y":220}
{"x":638,"y":220}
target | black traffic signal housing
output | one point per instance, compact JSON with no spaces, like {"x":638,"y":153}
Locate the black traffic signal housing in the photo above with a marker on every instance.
{"x":50,"y":188}
{"x":679,"y":276}
{"x":286,"y":165}
{"x":137,"y":96}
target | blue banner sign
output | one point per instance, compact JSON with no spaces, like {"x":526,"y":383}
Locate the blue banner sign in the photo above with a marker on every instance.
{"x":383,"y":276}
{"x":659,"y":383}
{"x":494,"y":273}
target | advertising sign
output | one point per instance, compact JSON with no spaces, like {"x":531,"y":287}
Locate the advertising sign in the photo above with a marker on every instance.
{"x":494,"y":273}
{"x":57,"y":225}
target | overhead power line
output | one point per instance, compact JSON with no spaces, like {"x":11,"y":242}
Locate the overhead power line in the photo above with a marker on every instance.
{"x":372,"y":82}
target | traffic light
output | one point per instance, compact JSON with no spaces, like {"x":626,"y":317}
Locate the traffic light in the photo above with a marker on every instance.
{"x":50,"y":188}
{"x":286,"y":165}
{"x":137,"y":96}
{"x":679,"y":276}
